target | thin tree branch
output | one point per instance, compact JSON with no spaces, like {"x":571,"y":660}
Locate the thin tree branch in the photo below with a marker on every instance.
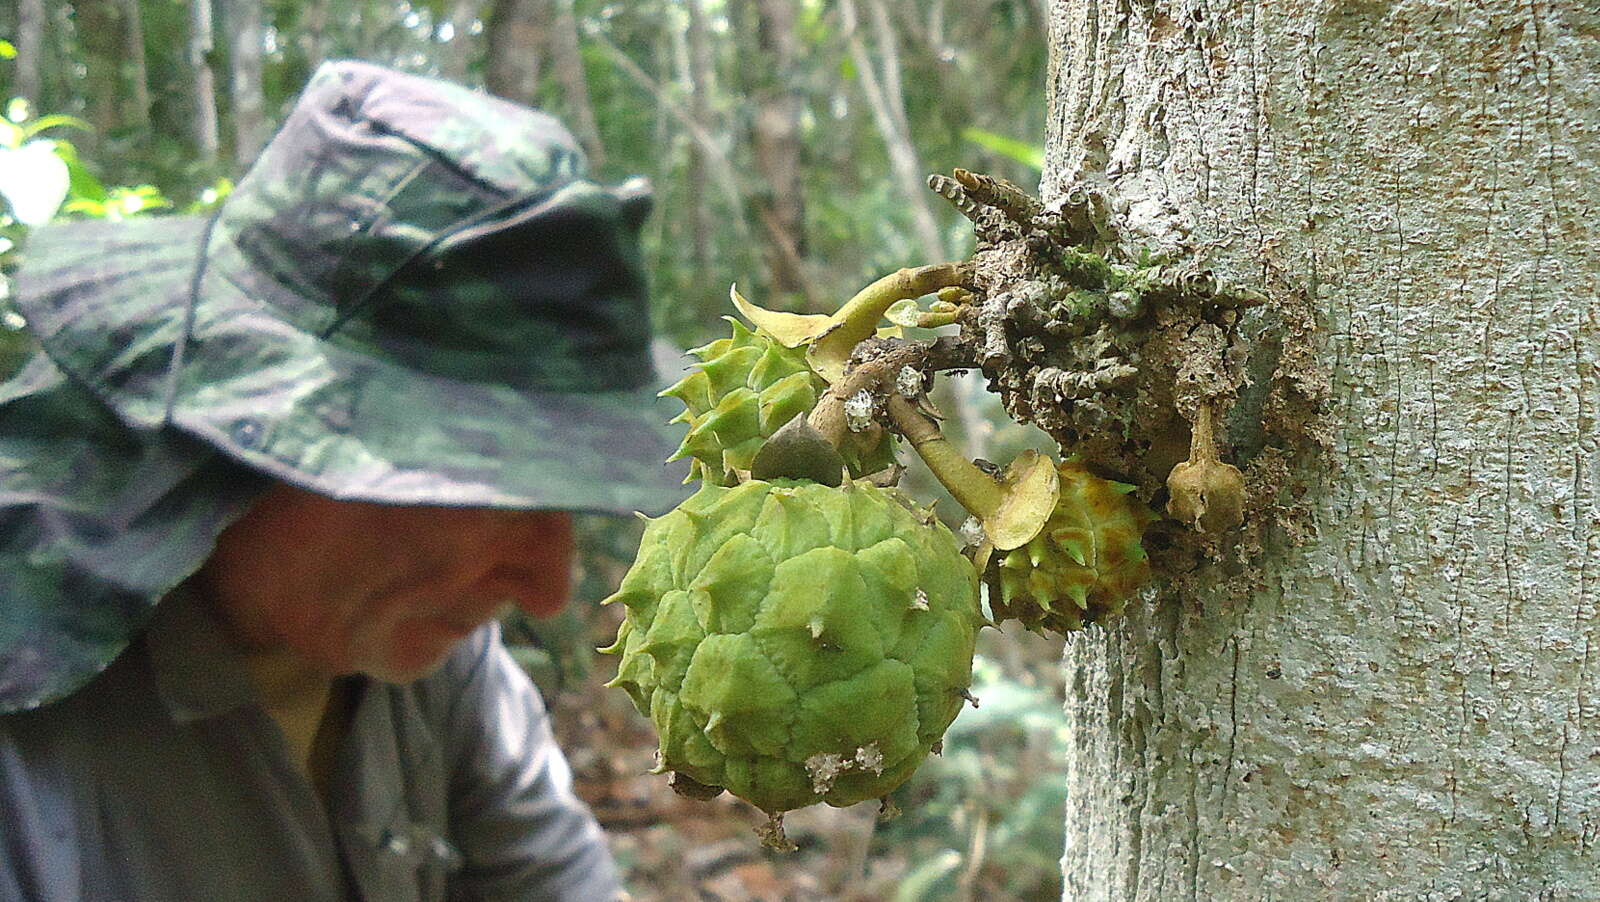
{"x":721,"y":170}
{"x":902,"y":155}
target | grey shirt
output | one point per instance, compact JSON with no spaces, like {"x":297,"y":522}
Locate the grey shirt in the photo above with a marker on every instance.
{"x":165,"y":779}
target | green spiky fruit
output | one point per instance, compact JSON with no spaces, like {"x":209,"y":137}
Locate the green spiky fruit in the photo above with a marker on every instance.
{"x":1085,"y":563}
{"x":796,"y":643}
{"x":743,"y":390}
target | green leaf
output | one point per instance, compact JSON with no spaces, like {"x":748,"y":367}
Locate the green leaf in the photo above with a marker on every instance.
{"x":126,"y":202}
{"x":1027,"y":154}
{"x":8,"y":51}
{"x":84,"y":185}
{"x":91,"y":208}
{"x":29,"y":129}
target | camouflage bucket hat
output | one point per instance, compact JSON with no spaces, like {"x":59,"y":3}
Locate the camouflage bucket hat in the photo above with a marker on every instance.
{"x":415,"y":296}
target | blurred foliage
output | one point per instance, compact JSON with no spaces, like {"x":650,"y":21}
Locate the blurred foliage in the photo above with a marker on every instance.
{"x":967,"y":70}
{"x":986,"y":786}
{"x":42,"y":178}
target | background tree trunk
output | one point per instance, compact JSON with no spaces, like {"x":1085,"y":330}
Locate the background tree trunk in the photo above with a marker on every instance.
{"x":30,"y":52}
{"x":201,"y":50}
{"x":566,"y":65}
{"x":775,"y":140}
{"x":694,"y":63}
{"x":457,"y":54}
{"x":1405,"y":706}
{"x":136,"y":112}
{"x":517,"y":32}
{"x":101,"y":31}
{"x":883,"y":96}
{"x":314,"y":32}
{"x":717,"y":163}
{"x":250,"y":128}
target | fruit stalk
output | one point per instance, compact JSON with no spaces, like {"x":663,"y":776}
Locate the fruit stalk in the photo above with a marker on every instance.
{"x":974,"y":489}
{"x":1012,"y":510}
{"x":858,"y":318}
{"x":1204,"y":492}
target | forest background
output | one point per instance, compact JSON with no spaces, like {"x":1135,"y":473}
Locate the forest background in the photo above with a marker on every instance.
{"x":788,"y":142}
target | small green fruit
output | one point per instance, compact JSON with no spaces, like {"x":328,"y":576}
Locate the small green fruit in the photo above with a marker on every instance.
{"x":796,"y":643}
{"x":745,"y":388}
{"x":1084,"y":564}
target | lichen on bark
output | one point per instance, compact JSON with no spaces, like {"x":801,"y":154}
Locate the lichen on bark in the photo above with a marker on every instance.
{"x":1115,"y":349}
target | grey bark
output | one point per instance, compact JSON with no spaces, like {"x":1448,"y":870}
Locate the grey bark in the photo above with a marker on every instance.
{"x":29,"y":64}
{"x":206,"y":136}
{"x":516,"y":35}
{"x":250,"y":128}
{"x":1405,"y":706}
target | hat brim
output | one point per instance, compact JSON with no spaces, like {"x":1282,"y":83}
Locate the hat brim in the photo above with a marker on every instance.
{"x":98,"y":524}
{"x":110,"y":304}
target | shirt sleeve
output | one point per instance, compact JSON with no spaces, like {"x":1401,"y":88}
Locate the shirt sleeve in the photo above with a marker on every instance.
{"x":521,"y":832}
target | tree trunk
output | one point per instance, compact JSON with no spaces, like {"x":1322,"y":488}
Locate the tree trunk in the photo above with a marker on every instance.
{"x":100,"y":31}
{"x":775,"y":136}
{"x":720,"y":169}
{"x":250,"y":128}
{"x":1407,"y":704}
{"x":315,"y":27}
{"x":459,"y":47}
{"x":883,"y":95}
{"x":206,"y":135}
{"x":137,"y":111}
{"x":29,"y":64}
{"x":566,"y":64}
{"x":694,"y":56}
{"x":517,"y":31}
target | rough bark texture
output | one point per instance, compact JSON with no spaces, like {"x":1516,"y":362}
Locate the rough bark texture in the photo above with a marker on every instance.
{"x":1406,"y":705}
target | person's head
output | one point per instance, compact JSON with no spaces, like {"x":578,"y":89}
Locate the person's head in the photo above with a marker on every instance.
{"x":380,"y":590}
{"x":417,"y":303}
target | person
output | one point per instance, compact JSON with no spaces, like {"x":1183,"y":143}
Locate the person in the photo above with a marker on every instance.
{"x":267,"y":484}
